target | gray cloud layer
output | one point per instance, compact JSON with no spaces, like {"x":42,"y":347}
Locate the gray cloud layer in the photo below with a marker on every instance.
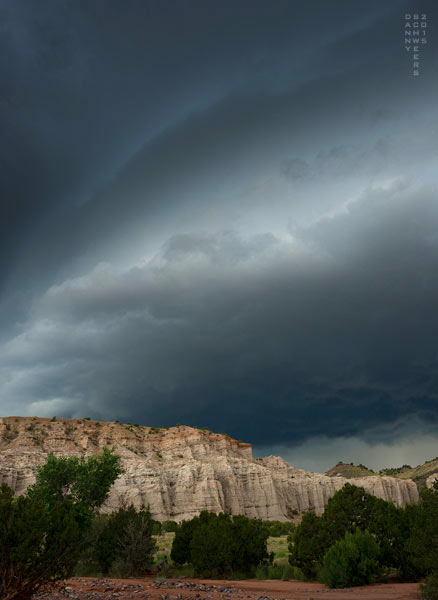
{"x":218,"y":232}
{"x":217,"y":327}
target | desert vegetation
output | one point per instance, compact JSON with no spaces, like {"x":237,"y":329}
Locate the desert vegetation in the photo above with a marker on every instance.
{"x":55,"y":530}
{"x":221,"y":545}
{"x":121,"y":544}
{"x":359,"y":538}
{"x":42,"y":531}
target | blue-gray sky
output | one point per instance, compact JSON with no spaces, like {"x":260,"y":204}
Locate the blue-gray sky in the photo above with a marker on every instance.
{"x":223,"y":213}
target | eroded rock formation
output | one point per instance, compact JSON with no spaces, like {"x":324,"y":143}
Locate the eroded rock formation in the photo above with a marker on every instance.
{"x":182,"y":470}
{"x":431,"y":480}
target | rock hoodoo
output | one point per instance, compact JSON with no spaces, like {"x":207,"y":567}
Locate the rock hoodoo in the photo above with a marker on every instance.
{"x":181,"y":470}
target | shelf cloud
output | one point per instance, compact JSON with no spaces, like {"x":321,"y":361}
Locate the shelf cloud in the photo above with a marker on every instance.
{"x":211,"y":218}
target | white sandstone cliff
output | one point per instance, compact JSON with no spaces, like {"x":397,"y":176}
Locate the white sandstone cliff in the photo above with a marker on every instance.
{"x":182,"y":470}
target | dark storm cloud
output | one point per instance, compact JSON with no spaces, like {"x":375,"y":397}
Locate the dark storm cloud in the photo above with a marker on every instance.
{"x":341,"y":162}
{"x":235,"y":138}
{"x":147,"y":136}
{"x":86,"y":84}
{"x":216,"y":328}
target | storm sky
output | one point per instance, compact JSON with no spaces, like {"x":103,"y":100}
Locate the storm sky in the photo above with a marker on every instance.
{"x":223,"y":213}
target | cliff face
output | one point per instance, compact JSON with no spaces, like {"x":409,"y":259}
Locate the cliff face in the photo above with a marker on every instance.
{"x":430,"y":481}
{"x":181,"y":471}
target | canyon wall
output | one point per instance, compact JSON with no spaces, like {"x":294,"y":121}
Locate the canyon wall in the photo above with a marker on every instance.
{"x":181,"y":470}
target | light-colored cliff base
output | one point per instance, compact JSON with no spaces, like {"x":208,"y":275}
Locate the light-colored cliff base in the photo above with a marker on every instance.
{"x":182,"y":470}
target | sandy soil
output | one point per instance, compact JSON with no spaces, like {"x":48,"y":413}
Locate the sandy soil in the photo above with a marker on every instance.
{"x":199,"y":589}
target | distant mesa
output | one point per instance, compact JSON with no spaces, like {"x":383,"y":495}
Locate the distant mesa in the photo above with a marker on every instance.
{"x":181,"y":470}
{"x":349,"y":471}
{"x":421,"y":475}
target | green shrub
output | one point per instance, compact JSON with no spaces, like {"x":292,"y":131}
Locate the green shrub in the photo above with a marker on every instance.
{"x":423,"y":541}
{"x":261,"y":572}
{"x":349,"y":509}
{"x":157,"y":528}
{"x":42,"y":531}
{"x":429,"y":588}
{"x":124,"y":543}
{"x":220,"y":545}
{"x":160,"y":557}
{"x":278,"y":528}
{"x":169,"y":526}
{"x":278,"y":571}
{"x":155,"y":429}
{"x":87,"y":565}
{"x":291,"y":572}
{"x":274,"y":571}
{"x":183,"y":571}
{"x":351,"y":561}
{"x":36,"y":545}
{"x":308,"y":544}
{"x":180,"y":552}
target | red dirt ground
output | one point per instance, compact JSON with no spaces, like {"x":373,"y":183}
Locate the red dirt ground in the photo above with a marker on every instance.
{"x":207,"y":589}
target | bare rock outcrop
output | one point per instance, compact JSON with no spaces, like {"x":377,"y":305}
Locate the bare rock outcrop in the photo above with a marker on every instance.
{"x":431,"y":480}
{"x":182,"y":470}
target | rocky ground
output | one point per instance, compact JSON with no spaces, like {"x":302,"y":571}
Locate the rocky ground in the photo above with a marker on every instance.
{"x":173,"y":589}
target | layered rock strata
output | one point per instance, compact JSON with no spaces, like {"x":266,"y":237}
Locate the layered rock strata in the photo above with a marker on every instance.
{"x":182,"y":470}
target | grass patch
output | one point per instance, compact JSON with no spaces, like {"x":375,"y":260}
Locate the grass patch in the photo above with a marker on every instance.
{"x":160,"y":557}
{"x":185,"y":571}
{"x":278,"y":545}
{"x":238,"y":576}
{"x":164,"y":543}
{"x":86,"y":569}
{"x":279,"y":570}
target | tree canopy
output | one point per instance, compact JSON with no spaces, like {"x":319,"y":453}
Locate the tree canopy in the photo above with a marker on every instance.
{"x":349,"y":509}
{"x":218,"y":545}
{"x":83,"y":481}
{"x":42,"y":530}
